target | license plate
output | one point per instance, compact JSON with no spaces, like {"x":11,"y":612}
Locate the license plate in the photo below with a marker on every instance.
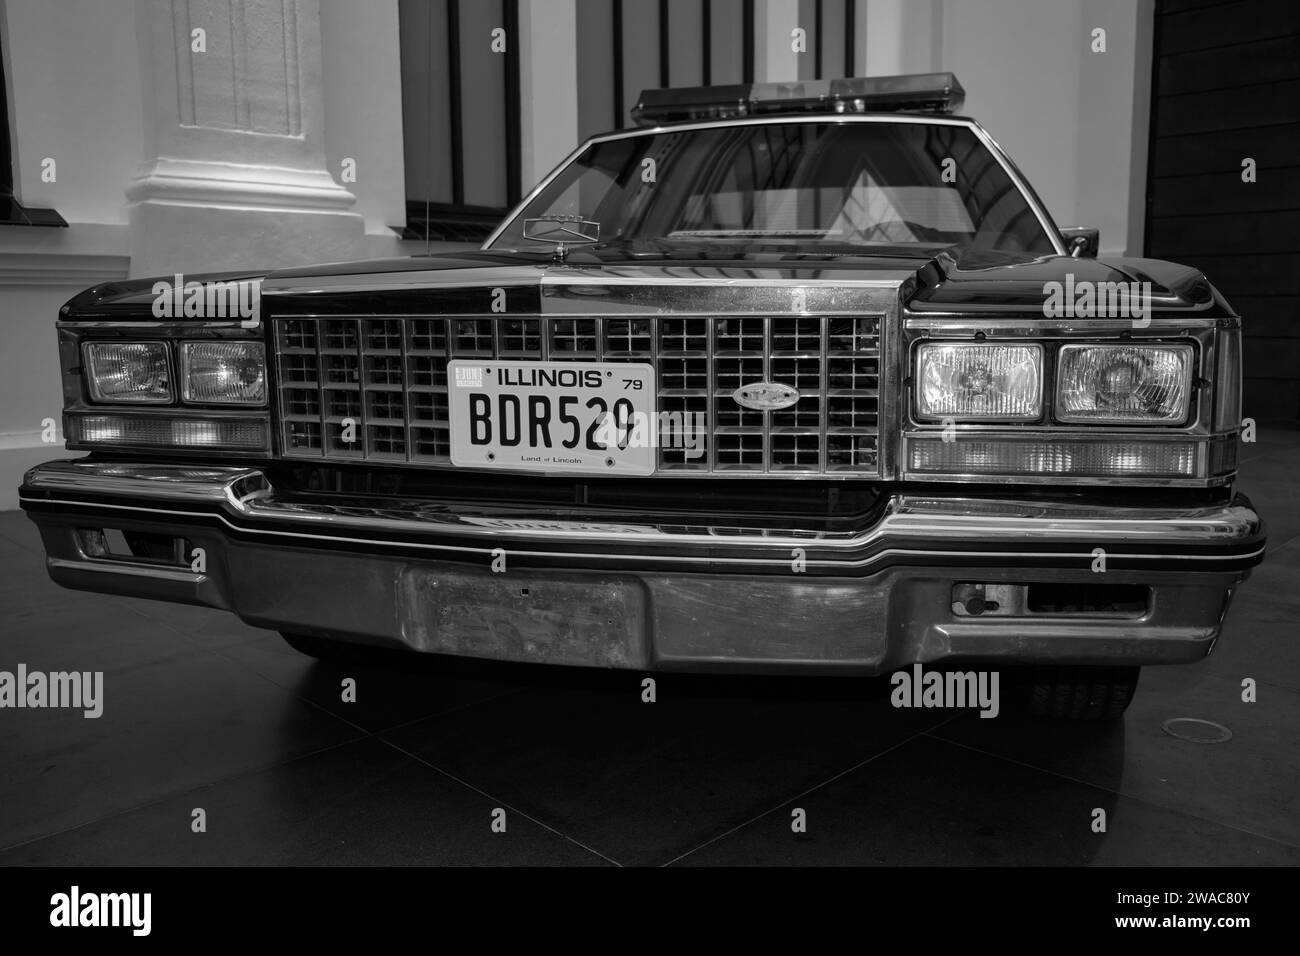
{"x":555,"y":417}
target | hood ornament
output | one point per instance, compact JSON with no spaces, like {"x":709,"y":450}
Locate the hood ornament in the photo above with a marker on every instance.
{"x":564,"y":231}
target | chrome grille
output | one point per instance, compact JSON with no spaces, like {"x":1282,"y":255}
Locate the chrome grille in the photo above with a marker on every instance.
{"x":388,"y":375}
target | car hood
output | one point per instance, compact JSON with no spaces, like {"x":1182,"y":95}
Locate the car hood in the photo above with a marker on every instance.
{"x":931,"y":281}
{"x":979,"y":282}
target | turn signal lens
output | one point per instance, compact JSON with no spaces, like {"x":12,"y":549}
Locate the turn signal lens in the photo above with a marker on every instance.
{"x":1136,"y":460}
{"x":164,"y":431}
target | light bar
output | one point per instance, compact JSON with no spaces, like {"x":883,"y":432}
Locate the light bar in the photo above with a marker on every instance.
{"x":922,"y":92}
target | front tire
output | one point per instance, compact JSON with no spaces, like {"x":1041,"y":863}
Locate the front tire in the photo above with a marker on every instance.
{"x":1082,"y":693}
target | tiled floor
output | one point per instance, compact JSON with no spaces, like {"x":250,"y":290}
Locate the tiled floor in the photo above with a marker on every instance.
{"x":207,"y":713}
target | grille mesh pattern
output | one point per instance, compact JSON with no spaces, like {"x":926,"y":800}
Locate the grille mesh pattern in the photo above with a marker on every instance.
{"x":389,"y":377}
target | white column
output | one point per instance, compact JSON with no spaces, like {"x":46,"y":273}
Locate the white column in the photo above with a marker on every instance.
{"x":902,"y":36}
{"x":234,"y":174}
{"x":548,"y":86}
{"x":775,"y":60}
{"x":1114,"y":96}
{"x":883,"y":25}
{"x":363,"y":111}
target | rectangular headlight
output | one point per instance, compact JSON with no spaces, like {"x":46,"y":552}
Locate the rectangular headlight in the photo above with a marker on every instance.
{"x":1138,"y":384}
{"x":223,"y":373}
{"x":136,"y":372}
{"x":972,"y":381}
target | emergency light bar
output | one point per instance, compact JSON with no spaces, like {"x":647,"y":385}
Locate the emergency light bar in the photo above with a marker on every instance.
{"x":923,"y":92}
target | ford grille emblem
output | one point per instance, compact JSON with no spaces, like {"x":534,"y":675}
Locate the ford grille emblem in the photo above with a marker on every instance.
{"x":766,"y":396}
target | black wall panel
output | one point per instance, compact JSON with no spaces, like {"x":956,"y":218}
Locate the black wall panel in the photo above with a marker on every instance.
{"x":1226,"y":86}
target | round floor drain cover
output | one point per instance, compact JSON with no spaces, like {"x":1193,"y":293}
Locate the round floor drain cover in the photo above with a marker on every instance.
{"x":1196,"y":730}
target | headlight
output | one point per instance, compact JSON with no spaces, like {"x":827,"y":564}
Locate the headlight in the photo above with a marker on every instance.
{"x":973,"y":381}
{"x":223,"y":373}
{"x":128,"y":372}
{"x":1124,"y":383}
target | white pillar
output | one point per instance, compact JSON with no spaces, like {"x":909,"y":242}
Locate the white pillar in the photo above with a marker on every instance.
{"x":234,"y":174}
{"x":548,"y":86}
{"x":883,"y":25}
{"x":902,"y":36}
{"x":775,"y":60}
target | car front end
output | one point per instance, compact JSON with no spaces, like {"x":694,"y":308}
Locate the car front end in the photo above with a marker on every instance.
{"x":759,"y":388}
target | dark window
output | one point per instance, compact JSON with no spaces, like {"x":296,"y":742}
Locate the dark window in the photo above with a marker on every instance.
{"x":460,"y":116}
{"x":831,"y":30}
{"x":626,"y":46}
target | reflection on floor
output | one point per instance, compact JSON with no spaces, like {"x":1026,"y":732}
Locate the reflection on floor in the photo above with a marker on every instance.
{"x":203,"y":712}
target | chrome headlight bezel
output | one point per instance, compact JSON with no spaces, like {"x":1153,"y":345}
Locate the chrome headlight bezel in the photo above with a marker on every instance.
{"x":89,"y":351}
{"x":1187,"y":375}
{"x":1034,"y":352}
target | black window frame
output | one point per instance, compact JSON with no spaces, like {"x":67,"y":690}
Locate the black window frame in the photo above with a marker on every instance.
{"x":12,"y":212}
{"x":458,"y":221}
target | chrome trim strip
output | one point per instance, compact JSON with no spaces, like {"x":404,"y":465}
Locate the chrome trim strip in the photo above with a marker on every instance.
{"x":484,"y":278}
{"x":1083,"y":557}
{"x":1044,"y":219}
{"x":553,"y":281}
{"x":125,"y":567}
{"x":249,"y":494}
{"x":167,"y":482}
{"x":177,"y":327}
{"x":949,"y":323}
{"x":594,"y":277}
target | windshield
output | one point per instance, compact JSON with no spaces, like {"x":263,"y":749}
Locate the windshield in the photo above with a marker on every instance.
{"x":814,"y":186}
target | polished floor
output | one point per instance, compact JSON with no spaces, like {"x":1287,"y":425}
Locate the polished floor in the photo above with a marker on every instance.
{"x":202,"y":712}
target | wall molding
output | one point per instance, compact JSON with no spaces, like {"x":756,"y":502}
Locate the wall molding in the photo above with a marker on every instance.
{"x":205,"y":182}
{"x":79,"y":270}
{"x":31,"y":439}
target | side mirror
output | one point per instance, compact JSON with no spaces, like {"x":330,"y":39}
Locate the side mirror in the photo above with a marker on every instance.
{"x":1081,"y":242}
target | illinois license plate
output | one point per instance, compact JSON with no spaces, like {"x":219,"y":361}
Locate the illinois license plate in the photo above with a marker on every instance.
{"x":556,"y":417}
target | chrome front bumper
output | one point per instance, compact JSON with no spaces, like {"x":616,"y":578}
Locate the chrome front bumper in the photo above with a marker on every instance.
{"x":868,"y":597}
